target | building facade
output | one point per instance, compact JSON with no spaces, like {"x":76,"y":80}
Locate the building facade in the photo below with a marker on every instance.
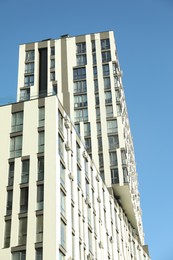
{"x":69,"y":182}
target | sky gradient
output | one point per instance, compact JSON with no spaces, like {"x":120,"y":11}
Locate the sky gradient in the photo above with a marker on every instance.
{"x":144,"y":39}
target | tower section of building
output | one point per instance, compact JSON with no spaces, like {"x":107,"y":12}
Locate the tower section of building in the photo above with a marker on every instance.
{"x":84,"y":72}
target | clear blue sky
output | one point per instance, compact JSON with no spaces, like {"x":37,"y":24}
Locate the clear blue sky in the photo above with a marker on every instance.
{"x":144,"y":37}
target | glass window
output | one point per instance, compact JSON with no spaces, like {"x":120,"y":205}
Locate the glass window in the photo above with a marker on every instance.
{"x":107,"y":83}
{"x":81,"y":115}
{"x":24,"y":94}
{"x":30,"y":55}
{"x":73,"y":246}
{"x":87,"y":130}
{"x":93,"y":45}
{"x":81,"y":47}
{"x":113,"y":158}
{"x":112,"y":126}
{"x":81,"y":59}
{"x":88,"y":144}
{"x":105,"y":44}
{"x":105,"y":69}
{"x":29,"y":67}
{"x":106,"y":56}
{"x":11,"y":174}
{"x":23,"y":199}
{"x":63,"y":203}
{"x":87,"y":188}
{"x":102,"y":175}
{"x":22,"y":231}
{"x":63,"y":234}
{"x":9,"y":202}
{"x":52,"y":63}
{"x":17,"y":122}
{"x":79,"y":73}
{"x":16,"y":146}
{"x":41,"y":116}
{"x":97,"y":113}
{"x":52,"y":51}
{"x":94,"y":59}
{"x":114,"y":176}
{"x":99,"y":143}
{"x":40,"y":168}
{"x":60,"y":121}
{"x":95,"y":72}
{"x":119,"y":109}
{"x":41,"y":142}
{"x":62,"y":174}
{"x":78,"y":152}
{"x":101,"y":162}
{"x":109,"y":111}
{"x":29,"y":80}
{"x":61,"y":146}
{"x":39,"y":230}
{"x":96,"y":85}
{"x":113,"y":141}
{"x":90,"y":241}
{"x":99,"y":130}
{"x":80,"y":101}
{"x":39,"y":254}
{"x":78,"y":176}
{"x":125,"y":175}
{"x":19,"y":255}
{"x":108,"y":97}
{"x":52,"y":76}
{"x":25,"y":171}
{"x":40,"y":197}
{"x":97,"y":99}
{"x":80,"y":86}
{"x":7,"y":233}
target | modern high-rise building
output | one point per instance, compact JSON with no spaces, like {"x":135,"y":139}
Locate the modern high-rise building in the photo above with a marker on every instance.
{"x":69,"y":186}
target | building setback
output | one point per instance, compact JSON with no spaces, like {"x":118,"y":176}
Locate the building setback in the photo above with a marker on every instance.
{"x":69,"y":186}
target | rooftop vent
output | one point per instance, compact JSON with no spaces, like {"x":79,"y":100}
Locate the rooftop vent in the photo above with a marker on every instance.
{"x":65,"y":36}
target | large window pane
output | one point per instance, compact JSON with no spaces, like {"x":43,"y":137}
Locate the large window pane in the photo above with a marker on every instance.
{"x":22,"y":231}
{"x":9,"y":202}
{"x":112,"y":126}
{"x":41,"y":142}
{"x":40,"y":197}
{"x":105,"y":44}
{"x":81,"y":47}
{"x":39,"y":231}
{"x":24,"y":199}
{"x":19,"y":255}
{"x":17,"y":122}
{"x":25,"y":171}
{"x":40,"y":168}
{"x":7,"y":233}
{"x":11,"y":174}
{"x":16,"y":146}
{"x":79,"y":73}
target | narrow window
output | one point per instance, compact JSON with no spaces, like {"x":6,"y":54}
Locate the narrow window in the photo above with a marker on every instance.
{"x":39,"y":230}
{"x":23,"y":200}
{"x":41,"y":116}
{"x":22,"y":231}
{"x":41,"y":142}
{"x":7,"y":233}
{"x":11,"y":174}
{"x":17,"y":122}
{"x":25,"y":171}
{"x":16,"y":146}
{"x":9,"y":202}
{"x":40,"y":197}
{"x":40,"y":168}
